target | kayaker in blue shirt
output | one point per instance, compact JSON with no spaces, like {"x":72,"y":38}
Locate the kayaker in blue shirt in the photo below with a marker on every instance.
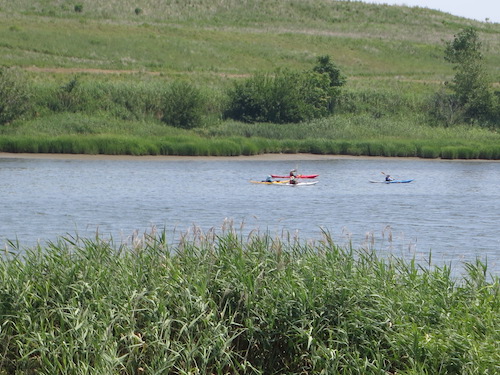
{"x":269,"y":179}
{"x":388,"y":178}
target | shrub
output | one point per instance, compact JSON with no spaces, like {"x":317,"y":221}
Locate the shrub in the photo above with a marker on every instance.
{"x":445,"y":109}
{"x":129,"y":102}
{"x":15,"y":96}
{"x":121,"y":100}
{"x":285,"y":97}
{"x":247,"y":100}
{"x":183,"y":105}
{"x":68,"y":97}
{"x":79,"y":8}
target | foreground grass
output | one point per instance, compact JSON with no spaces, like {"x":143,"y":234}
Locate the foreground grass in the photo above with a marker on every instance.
{"x":228,"y":304}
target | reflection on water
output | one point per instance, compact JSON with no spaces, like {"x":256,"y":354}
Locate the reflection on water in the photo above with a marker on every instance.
{"x":449,"y":214}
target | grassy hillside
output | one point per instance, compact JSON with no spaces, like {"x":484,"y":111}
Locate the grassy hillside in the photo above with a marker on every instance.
{"x":234,"y":37}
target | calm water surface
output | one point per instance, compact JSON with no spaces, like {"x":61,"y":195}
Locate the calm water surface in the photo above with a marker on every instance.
{"x":451,"y":212}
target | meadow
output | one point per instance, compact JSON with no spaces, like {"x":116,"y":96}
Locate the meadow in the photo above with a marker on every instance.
{"x":224,"y":303}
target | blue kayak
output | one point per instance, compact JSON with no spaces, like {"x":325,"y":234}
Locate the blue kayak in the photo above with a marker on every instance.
{"x":393,"y":181}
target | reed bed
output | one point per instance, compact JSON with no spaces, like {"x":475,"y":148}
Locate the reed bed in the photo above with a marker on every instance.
{"x":193,"y":145}
{"x":222,"y":302}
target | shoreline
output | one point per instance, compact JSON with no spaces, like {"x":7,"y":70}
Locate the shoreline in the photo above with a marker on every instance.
{"x":260,"y":157}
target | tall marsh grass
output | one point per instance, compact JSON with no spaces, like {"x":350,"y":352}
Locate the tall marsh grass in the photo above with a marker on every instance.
{"x":232,"y":145}
{"x":129,"y":145}
{"x":224,"y":303}
{"x":364,"y":134}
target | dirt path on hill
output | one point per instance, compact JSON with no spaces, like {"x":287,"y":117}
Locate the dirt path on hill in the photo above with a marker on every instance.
{"x":131,"y":71}
{"x":86,"y":70}
{"x":111,"y":71}
{"x":227,"y":75}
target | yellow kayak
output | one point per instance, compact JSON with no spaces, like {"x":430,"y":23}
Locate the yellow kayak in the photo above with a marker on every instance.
{"x":270,"y":183}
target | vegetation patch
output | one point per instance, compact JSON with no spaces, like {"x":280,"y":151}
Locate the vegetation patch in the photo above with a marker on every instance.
{"x":234,"y":304}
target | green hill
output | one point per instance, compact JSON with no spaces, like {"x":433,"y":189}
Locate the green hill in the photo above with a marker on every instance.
{"x":235,"y":37}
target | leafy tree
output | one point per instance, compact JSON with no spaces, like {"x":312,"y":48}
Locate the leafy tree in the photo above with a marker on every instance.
{"x":337,"y":79}
{"x":14,"y":95}
{"x":470,"y":84}
{"x":286,"y":96}
{"x":325,"y":65}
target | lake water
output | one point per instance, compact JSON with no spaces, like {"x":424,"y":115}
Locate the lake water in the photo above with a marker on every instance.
{"x":450,"y":212}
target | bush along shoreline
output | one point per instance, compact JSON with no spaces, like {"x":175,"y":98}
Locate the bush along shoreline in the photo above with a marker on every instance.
{"x":232,"y":304}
